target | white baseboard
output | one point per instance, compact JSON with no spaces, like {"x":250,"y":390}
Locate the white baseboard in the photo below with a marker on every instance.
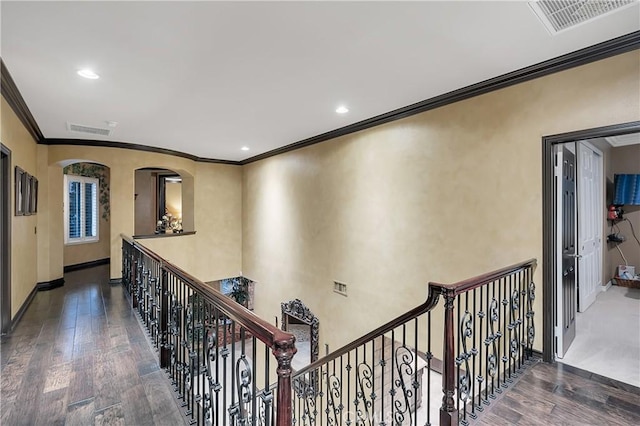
{"x":607,"y":286}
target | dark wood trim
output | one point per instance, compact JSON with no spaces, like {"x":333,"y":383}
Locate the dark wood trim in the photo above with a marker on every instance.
{"x":23,"y":308}
{"x":261,"y":329}
{"x":5,"y":234}
{"x":536,"y":353}
{"x":138,"y":147}
{"x":580,"y":57}
{"x":479,"y":281}
{"x":86,"y":265}
{"x":429,"y":304}
{"x":549,"y":224}
{"x":50,"y":285}
{"x":15,"y":100}
{"x":179,"y":234}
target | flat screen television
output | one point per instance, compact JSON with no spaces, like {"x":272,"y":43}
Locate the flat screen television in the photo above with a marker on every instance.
{"x":627,"y":190}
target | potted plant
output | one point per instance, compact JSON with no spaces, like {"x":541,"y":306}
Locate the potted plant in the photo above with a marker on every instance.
{"x":240,"y":291}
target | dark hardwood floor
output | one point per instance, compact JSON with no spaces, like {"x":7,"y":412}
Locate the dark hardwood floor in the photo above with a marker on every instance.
{"x":557,"y":394}
{"x":79,"y":357}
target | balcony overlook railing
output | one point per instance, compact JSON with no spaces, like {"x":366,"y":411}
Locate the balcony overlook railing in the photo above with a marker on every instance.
{"x":216,"y":352}
{"x":436,"y":364}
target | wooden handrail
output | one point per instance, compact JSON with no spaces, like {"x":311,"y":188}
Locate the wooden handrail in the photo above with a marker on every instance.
{"x":435,"y":290}
{"x":430,"y":303}
{"x":449,"y":414}
{"x":480,"y":280}
{"x":261,"y":329}
{"x":281,"y":343}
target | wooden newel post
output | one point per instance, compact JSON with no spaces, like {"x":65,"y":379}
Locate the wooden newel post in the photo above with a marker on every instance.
{"x":448,"y":412}
{"x":164,"y":319}
{"x":284,"y":350}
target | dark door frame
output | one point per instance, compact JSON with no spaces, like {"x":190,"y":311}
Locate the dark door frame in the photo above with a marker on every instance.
{"x":550,"y":226}
{"x":5,"y":238}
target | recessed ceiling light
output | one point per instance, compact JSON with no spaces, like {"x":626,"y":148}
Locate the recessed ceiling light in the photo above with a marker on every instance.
{"x":87,"y":73}
{"x":342,"y":109}
{"x":245,"y":148}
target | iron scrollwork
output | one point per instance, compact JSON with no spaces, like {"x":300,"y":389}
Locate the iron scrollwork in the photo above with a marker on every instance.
{"x":404,"y":360}
{"x":240,"y":412}
{"x":514,"y":342}
{"x":531,"y":330}
{"x":334,"y":406}
{"x":466,"y":332}
{"x":306,"y":392}
{"x":364,"y":380}
{"x":492,"y":339}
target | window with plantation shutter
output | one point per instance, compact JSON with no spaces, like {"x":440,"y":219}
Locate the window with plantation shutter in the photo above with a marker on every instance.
{"x":81,"y":216}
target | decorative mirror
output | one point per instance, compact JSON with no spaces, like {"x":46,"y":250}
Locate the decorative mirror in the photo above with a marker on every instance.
{"x":302,"y":323}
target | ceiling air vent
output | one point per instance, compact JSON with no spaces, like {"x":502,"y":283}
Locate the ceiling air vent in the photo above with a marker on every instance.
{"x":79,"y":128}
{"x":560,"y":15}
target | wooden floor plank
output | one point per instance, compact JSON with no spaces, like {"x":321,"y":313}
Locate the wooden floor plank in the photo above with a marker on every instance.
{"x":110,"y":416}
{"x":136,"y":407}
{"x":550,"y":394}
{"x":71,"y":361}
{"x":52,"y":408}
{"x":80,"y":357}
{"x":81,"y":413}
{"x":81,"y":382}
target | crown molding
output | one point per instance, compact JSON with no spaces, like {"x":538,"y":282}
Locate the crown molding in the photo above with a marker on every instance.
{"x":580,"y":57}
{"x":15,"y":100}
{"x":137,"y":147}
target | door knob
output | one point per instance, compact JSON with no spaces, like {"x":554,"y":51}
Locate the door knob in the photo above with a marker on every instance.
{"x":575,"y":256}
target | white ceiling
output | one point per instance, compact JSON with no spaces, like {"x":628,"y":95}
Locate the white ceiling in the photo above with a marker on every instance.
{"x":207,"y":78}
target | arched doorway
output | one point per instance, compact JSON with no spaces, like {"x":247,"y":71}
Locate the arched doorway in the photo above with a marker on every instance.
{"x":87,"y":230}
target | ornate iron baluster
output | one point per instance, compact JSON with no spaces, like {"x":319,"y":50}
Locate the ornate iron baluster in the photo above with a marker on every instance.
{"x":514,"y":342}
{"x":334,"y":391}
{"x":491,"y":340}
{"x":364,"y":380}
{"x":305,"y":392}
{"x":240,"y":411}
{"x":466,"y":333}
{"x":403,"y":358}
{"x":531,"y":330}
{"x":266,"y":397}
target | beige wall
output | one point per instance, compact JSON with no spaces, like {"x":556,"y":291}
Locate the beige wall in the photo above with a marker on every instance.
{"x":215,"y":251}
{"x":145,"y":202}
{"x":625,"y":160}
{"x":440,"y":196}
{"x":217,"y":206}
{"x":24,"y":240}
{"x":75,"y":254}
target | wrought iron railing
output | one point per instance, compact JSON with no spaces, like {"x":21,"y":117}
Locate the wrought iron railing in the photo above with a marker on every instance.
{"x":489,"y":333}
{"x":392,"y":375}
{"x":216,"y":353}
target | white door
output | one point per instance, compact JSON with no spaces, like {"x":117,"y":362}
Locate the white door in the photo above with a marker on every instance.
{"x":590,"y":224}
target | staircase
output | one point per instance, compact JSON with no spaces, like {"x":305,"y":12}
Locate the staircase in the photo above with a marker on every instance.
{"x":443,"y":362}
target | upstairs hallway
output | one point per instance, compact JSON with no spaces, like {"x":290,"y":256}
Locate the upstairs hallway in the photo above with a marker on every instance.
{"x":79,"y":356}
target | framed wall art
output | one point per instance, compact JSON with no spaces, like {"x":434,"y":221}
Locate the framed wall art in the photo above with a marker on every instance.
{"x":19,"y":189}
